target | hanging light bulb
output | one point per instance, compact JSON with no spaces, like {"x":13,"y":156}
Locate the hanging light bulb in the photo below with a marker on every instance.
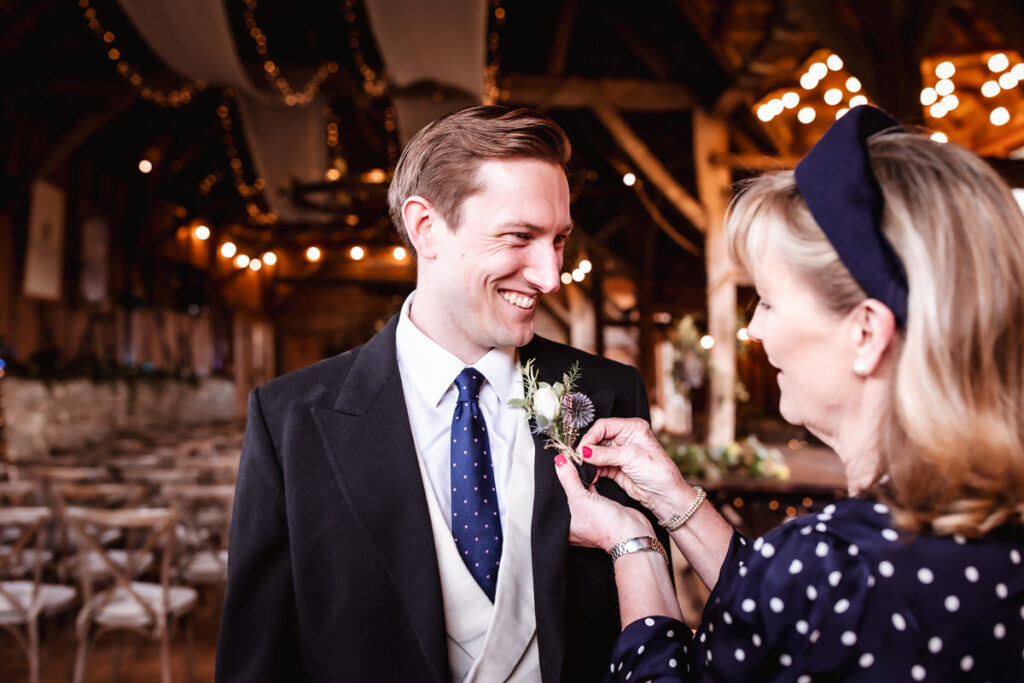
{"x":228,"y":249}
{"x":356,"y":253}
{"x":313,"y":254}
{"x":269,"y":257}
{"x":201,"y":232}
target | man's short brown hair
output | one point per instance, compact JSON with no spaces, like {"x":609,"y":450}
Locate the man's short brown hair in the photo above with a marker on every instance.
{"x":440,"y":163}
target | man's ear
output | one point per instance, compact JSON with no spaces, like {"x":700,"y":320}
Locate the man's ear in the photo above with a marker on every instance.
{"x":874,"y":327}
{"x":422,"y":224}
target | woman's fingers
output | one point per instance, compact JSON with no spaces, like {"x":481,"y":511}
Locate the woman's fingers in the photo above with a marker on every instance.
{"x":568,"y":477}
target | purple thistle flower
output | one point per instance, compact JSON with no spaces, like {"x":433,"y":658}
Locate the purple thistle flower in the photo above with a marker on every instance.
{"x":577,"y":411}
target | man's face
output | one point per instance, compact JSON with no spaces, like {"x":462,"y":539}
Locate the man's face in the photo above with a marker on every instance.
{"x":483,"y":287}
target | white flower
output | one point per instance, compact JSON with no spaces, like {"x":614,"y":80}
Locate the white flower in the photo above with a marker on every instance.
{"x":546,"y":403}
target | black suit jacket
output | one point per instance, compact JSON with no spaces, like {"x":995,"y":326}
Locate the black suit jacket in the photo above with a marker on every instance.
{"x":332,"y":572}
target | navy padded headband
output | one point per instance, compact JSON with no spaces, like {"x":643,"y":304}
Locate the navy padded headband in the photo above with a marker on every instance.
{"x":836,"y":181}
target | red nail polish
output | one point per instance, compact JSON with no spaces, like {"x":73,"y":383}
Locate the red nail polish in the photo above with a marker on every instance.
{"x":559,"y":460}
{"x":587,"y":451}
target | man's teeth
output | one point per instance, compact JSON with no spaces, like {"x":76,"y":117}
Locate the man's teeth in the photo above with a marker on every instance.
{"x":519,"y":300}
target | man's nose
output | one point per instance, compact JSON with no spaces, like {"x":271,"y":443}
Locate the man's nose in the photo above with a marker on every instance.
{"x":543,"y":269}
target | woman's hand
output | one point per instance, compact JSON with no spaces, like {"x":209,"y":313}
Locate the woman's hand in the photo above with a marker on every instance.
{"x":596,"y":521}
{"x":626,"y":451}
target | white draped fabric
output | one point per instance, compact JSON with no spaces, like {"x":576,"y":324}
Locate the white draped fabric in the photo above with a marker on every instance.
{"x":193,"y":37}
{"x":423,"y":42}
{"x":439,"y":42}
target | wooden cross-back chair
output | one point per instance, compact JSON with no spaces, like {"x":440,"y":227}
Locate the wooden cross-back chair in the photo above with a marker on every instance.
{"x":205,"y":513}
{"x":23,"y":602}
{"x":101,"y":496}
{"x":148,"y":608}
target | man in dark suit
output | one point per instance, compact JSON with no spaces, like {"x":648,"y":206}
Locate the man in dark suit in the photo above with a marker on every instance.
{"x":345,"y":561}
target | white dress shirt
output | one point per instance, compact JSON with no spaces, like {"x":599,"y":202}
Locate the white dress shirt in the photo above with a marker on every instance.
{"x":428,"y":374}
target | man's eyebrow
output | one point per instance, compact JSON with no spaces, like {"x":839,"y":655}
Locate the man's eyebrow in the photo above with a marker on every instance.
{"x":532,"y":227}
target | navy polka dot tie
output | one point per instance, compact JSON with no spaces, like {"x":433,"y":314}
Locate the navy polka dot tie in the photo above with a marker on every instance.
{"x":475,"y":522}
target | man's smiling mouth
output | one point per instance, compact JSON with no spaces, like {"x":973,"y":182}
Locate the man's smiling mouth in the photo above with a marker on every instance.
{"x":518,"y":300}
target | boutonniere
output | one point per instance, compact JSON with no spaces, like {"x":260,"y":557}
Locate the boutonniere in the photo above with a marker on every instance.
{"x":557,"y":410}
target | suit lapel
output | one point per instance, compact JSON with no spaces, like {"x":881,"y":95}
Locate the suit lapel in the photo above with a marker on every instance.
{"x":550,"y":527}
{"x":370,"y":446}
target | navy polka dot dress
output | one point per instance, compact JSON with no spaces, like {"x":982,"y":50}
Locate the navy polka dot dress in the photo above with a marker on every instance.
{"x":845,"y":596}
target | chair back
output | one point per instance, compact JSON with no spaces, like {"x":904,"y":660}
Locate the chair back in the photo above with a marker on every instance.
{"x":25,"y":553}
{"x":144,"y":530}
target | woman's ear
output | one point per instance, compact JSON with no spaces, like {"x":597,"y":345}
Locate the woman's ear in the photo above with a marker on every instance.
{"x":421,"y":224}
{"x":874,"y":327}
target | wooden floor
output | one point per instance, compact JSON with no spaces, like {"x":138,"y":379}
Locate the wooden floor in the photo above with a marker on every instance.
{"x":138,"y":659}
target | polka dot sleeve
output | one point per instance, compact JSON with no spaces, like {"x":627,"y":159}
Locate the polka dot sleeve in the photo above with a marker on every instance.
{"x":653,"y":649}
{"x":791,"y":601}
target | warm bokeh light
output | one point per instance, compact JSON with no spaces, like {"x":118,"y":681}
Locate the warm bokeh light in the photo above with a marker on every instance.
{"x":790,"y":99}
{"x":1008,"y":80}
{"x":857,"y":100}
{"x":707,"y":341}
{"x":841,"y":113}
{"x":998,"y":62}
{"x":742,"y":334}
{"x":145,"y":165}
{"x":833,"y":96}
{"x":356,"y":253}
{"x":929,"y":97}
{"x":566,"y":278}
{"x":201,"y":232}
{"x":834,"y":62}
{"x":806,"y":115}
{"x":241,"y":261}
{"x":313,"y":254}
{"x":950,"y":102}
{"x":945,"y":69}
{"x":819,"y":70}
{"x":578,"y":275}
{"x":944,"y":87}
{"x":939,"y":136}
{"x":228,"y":249}
{"x":808,"y":81}
{"x":399,"y":253}
{"x":938,"y":110}
{"x":999,"y":116}
{"x":990,"y":89}
{"x":628,"y":179}
{"x":586,"y":266}
{"x":255,"y":264}
{"x":332,"y":174}
{"x":853,"y":84}
{"x":269,"y":257}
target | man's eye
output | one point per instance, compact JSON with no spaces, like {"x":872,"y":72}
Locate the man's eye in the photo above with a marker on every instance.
{"x":524,"y":236}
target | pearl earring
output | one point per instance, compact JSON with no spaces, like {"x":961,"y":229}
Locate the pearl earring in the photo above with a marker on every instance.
{"x":860,"y":368}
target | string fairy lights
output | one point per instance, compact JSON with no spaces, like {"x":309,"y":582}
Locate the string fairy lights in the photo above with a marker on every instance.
{"x":164,"y":98}
{"x":959,"y":86}
{"x":248,"y":191}
{"x":492,"y":92}
{"x":290,"y":96}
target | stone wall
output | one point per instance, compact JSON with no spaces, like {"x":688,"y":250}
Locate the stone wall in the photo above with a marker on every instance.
{"x":64,"y":416}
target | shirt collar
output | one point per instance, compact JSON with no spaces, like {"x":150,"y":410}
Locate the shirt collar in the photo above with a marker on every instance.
{"x":432,"y":368}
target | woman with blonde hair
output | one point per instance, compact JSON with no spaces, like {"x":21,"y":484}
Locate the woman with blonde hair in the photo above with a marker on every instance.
{"x":890,"y":271}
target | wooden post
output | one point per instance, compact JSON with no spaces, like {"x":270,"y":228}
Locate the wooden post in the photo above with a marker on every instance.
{"x":711,"y":140}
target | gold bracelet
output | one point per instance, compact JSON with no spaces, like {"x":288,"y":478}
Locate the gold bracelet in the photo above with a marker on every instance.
{"x":677,"y":520}
{"x":637,"y":545}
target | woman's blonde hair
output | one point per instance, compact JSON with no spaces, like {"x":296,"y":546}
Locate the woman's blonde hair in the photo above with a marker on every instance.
{"x":952,"y":447}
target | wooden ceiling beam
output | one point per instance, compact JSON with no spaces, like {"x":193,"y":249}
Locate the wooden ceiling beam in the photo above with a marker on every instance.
{"x":560,"y":44}
{"x":651,"y":166}
{"x":549,"y":92}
